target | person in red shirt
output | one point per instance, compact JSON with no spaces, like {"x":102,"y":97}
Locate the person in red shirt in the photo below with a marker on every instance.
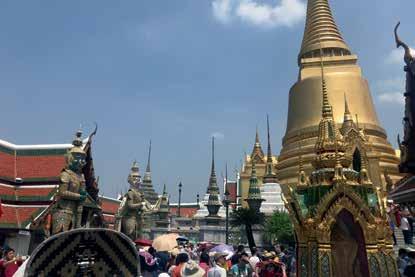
{"x":10,"y":263}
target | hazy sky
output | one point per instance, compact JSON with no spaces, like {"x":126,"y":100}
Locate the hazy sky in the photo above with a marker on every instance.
{"x":176,"y":71}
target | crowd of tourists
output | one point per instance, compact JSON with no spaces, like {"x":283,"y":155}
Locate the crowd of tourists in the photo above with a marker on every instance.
{"x":401,"y":217}
{"x":406,"y":262}
{"x":200,"y":261}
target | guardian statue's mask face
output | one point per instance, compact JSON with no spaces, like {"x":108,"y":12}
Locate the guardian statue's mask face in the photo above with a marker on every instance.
{"x":77,"y":161}
{"x":134,"y":180}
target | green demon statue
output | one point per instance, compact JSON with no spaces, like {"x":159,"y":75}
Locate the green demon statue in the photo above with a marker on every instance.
{"x":131,"y":208}
{"x":67,"y":213}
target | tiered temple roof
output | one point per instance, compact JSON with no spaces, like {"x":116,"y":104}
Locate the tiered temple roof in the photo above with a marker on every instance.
{"x":29,"y":179}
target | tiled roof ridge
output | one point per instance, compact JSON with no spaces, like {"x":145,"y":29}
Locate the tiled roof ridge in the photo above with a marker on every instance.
{"x":13,"y":146}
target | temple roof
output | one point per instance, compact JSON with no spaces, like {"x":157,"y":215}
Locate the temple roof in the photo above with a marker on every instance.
{"x":257,"y":153}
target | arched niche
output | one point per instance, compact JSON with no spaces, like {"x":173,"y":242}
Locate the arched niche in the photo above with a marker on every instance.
{"x":348,"y":248}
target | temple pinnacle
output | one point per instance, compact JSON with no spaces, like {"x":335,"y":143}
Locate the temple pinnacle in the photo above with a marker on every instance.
{"x":269,"y":177}
{"x":326,"y":109}
{"x":148,"y":160}
{"x":347,"y":115}
{"x":257,"y":153}
{"x":213,"y":187}
{"x":321,"y":28}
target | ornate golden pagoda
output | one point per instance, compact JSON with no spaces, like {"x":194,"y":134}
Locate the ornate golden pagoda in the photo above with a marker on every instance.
{"x":338,"y":212}
{"x":343,"y":76}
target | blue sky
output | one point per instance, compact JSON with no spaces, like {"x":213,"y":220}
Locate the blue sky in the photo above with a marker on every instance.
{"x":177,"y":72}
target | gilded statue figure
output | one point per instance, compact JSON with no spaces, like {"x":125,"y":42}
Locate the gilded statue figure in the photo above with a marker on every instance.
{"x":66,"y":215}
{"x":131,"y":207}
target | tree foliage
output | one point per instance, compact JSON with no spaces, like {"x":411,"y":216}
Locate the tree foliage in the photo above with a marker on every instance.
{"x":247,"y":217}
{"x":278,"y":228}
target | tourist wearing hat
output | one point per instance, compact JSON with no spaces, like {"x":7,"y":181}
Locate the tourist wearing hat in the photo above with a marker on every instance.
{"x":218,"y":270}
{"x":192,"y":269}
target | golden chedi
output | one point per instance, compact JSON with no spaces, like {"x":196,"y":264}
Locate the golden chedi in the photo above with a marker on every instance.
{"x":338,"y":212}
{"x":344,"y":77}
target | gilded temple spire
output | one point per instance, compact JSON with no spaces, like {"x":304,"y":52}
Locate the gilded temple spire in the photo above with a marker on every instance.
{"x":214,"y":203}
{"x":270,"y":176}
{"x":147,"y":174}
{"x":321,"y":27}
{"x":327,"y":110}
{"x":348,"y":122}
{"x":147,"y":187}
{"x":329,"y":140}
{"x":257,"y":153}
{"x":347,"y":115}
{"x":213,"y":186}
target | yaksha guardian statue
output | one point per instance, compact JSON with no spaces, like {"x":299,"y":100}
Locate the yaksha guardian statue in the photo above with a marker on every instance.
{"x":67,"y":213}
{"x":131,"y":207}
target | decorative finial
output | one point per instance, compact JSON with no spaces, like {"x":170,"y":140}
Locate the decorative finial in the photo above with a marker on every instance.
{"x":269,"y":153}
{"x":78,"y":138}
{"x":326,"y":108}
{"x":164,"y":189}
{"x":269,"y":177}
{"x":149,"y":157}
{"x":408,"y":57}
{"x":213,"y":155}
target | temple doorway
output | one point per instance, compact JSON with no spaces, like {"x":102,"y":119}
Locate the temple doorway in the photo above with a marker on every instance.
{"x":348,"y":247}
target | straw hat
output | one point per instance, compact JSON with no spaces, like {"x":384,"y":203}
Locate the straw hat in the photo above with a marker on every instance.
{"x":219,"y":255}
{"x":192,"y":269}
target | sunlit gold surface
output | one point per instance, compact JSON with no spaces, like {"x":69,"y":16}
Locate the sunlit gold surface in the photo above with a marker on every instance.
{"x":321,"y":30}
{"x":344,"y":78}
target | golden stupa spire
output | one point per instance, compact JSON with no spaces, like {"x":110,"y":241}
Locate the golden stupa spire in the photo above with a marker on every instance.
{"x":320,"y":25}
{"x":327,"y":110}
{"x":347,"y":115}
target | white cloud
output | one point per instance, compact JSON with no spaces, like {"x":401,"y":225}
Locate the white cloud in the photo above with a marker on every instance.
{"x":284,"y":13}
{"x":396,"y":56}
{"x":218,"y":135}
{"x":392,"y":98}
{"x":222,"y":10}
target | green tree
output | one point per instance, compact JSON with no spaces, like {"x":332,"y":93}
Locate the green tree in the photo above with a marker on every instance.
{"x":247,"y":217}
{"x":279,"y":228}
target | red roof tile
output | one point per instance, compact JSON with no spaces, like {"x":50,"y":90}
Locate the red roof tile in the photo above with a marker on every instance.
{"x":184,"y":211}
{"x":12,"y":215}
{"x":7,"y":163}
{"x":109,"y":206}
{"x":30,"y":166}
{"x":32,"y":193}
{"x":39,"y":166}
